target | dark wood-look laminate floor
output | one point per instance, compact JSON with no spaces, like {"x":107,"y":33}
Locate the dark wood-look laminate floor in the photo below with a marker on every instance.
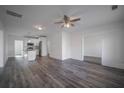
{"x":48,"y":72}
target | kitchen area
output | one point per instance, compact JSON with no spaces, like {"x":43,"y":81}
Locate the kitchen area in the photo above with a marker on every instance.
{"x":34,"y":47}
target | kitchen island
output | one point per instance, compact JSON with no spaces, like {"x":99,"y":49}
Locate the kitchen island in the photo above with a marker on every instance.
{"x":31,"y":55}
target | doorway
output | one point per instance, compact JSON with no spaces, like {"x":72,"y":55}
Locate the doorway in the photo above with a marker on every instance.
{"x":18,"y":48}
{"x":40,"y":48}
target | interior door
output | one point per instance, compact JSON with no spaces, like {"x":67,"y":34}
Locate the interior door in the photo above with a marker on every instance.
{"x":19,"y":48}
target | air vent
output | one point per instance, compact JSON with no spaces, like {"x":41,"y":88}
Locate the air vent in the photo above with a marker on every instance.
{"x":13,"y":14}
{"x":114,"y":7}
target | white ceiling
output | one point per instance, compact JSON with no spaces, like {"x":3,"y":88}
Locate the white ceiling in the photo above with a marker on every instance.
{"x":47,"y":15}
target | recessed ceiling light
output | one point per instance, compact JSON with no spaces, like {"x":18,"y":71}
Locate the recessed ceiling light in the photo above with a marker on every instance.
{"x":29,"y":41}
{"x":38,"y":27}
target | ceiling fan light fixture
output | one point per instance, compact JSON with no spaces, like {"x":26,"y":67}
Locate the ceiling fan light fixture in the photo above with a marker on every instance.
{"x":67,"y":25}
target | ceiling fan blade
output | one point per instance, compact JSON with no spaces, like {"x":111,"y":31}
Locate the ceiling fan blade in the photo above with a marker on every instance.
{"x":62,"y":25}
{"x":72,"y":25}
{"x":76,"y":19}
{"x":59,"y":22}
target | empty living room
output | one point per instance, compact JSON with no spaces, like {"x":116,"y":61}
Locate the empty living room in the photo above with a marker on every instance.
{"x":61,"y":46}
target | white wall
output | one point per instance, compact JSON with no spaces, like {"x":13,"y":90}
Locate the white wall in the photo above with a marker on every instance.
{"x":66,"y":45}
{"x":5,"y":47}
{"x":106,"y":41}
{"x":72,"y":45}
{"x":93,"y":44}
{"x":76,"y":45}
{"x":1,"y":45}
{"x":11,"y":44}
{"x":3,"y":53}
{"x":55,"y":44}
{"x":44,"y":46}
{"x":113,"y":46}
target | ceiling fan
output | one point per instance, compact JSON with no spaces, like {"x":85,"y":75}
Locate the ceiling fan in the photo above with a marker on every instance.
{"x":68,"y":21}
